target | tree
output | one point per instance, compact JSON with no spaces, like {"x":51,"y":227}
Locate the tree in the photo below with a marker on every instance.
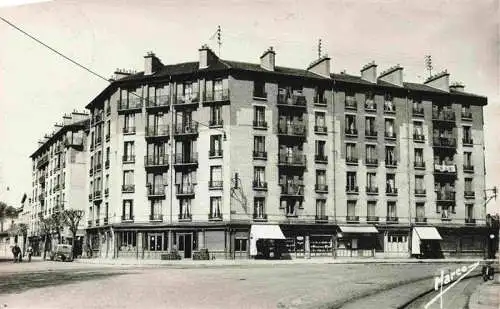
{"x":22,"y":229}
{"x":57,"y":224}
{"x":72,"y":218}
{"x":45,"y":231}
{"x":6,"y":212}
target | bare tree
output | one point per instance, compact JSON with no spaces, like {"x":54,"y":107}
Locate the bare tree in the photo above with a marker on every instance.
{"x":6,"y":212}
{"x":45,"y":231}
{"x":57,"y":221}
{"x":72,"y":218}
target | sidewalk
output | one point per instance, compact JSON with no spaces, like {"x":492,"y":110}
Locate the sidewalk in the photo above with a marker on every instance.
{"x":486,"y":295}
{"x":243,"y":262}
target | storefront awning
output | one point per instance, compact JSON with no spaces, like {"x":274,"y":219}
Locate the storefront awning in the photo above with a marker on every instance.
{"x":428,"y":233}
{"x":358,"y":229}
{"x":266,"y":231}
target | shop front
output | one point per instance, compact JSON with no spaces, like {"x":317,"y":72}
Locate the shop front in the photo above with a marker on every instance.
{"x":356,"y":241}
{"x":426,"y":242}
{"x":266,"y":241}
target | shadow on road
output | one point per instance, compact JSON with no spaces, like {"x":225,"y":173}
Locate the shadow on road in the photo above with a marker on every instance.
{"x":20,"y":282}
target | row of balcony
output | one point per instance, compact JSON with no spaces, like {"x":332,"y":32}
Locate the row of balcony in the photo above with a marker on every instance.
{"x":352,"y":104}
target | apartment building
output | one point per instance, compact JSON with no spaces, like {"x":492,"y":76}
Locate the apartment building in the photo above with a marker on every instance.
{"x":58,"y":176}
{"x":258,"y":160}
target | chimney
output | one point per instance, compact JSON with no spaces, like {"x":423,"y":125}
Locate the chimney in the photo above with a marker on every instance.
{"x":78,"y":116}
{"x":267,"y":60}
{"x":207,"y":57}
{"x":393,"y":75}
{"x":152,"y":64}
{"x":120,"y":73}
{"x":321,"y":66}
{"x":439,"y":81}
{"x":67,"y":120}
{"x":369,"y":72}
{"x":457,"y":86}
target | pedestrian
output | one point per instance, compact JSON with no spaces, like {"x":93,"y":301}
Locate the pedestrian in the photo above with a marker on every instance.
{"x":18,"y":253}
{"x":30,"y":252}
{"x":14,"y":253}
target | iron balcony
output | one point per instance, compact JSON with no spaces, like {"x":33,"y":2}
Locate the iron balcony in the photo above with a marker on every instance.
{"x":352,"y":219}
{"x":294,"y":101}
{"x":133,"y":104}
{"x":186,"y":129}
{"x":296,"y":129}
{"x":217,"y":96}
{"x":158,"y":102}
{"x":156,"y":191}
{"x":295,"y":160}
{"x":292,"y":190}
{"x":157,"y":131}
{"x":187,"y":100}
{"x":259,"y":185}
{"x":186,"y":159}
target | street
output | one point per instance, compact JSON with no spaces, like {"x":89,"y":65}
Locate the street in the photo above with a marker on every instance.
{"x":74,"y":285}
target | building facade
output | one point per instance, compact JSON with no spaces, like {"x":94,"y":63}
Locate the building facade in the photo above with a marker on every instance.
{"x":259,"y":160}
{"x":58,"y":176}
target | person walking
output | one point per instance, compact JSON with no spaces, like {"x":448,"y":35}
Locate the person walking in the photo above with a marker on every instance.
{"x":14,"y":253}
{"x":30,"y":252}
{"x":18,"y":253}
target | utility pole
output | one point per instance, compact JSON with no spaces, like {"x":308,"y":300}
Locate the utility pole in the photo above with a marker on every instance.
{"x":219,"y":39}
{"x":319,"y":48}
{"x":428,"y":64}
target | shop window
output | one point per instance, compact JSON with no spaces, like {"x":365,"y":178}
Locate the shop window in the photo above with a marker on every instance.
{"x":240,"y":245}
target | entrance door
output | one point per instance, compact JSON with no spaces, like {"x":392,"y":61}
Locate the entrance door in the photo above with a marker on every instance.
{"x":185,"y":243}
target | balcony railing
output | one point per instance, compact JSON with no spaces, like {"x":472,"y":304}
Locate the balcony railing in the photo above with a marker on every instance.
{"x":128,"y":130}
{"x":420,"y":220}
{"x":185,"y":217}
{"x":418,"y":137}
{"x":155,"y":217}
{"x":371,"y":134}
{"x":260,"y":124}
{"x":351,"y":132}
{"x":294,"y":100}
{"x":391,"y":191}
{"x":370,"y":106}
{"x":98,"y":167}
{"x":106,"y":164}
{"x":391,"y":219}
{"x":91,"y":172}
{"x":466,"y":115}
{"x":372,"y":219}
{"x":128,"y":159}
{"x":444,"y":142}
{"x":156,"y":190}
{"x":445,"y":169}
{"x":446,"y":116}
{"x":262,"y":155}
{"x":419,"y":165}
{"x":321,"y":188}
{"x":469,"y":194}
{"x":321,"y":218}
{"x":259,"y":185}
{"x":320,"y":129}
{"x":127,"y":218}
{"x":259,"y":216}
{"x":467,"y":141}
{"x":157,"y":131}
{"x":108,"y":110}
{"x":391,"y":163}
{"x":418,"y":112}
{"x":351,"y":103}
{"x":298,"y":160}
{"x":371,"y":161}
{"x":389,"y":107}
{"x":352,"y":189}
{"x":215,"y":123}
{"x":97,"y":195}
{"x":469,"y":168}
{"x":158,"y":102}
{"x":130,"y":105}
{"x":420,"y":192}
{"x":470,"y":221}
{"x":44,"y":160}
{"x":371,"y":190}
{"x":105,"y":220}
{"x":97,"y":222}
{"x":215,"y":184}
{"x":107,"y":137}
{"x":296,"y":189}
{"x":186,"y":159}
{"x":184,"y":189}
{"x":320,"y":100}
{"x":390,"y":135}
{"x":187,"y":99}
{"x":217,"y":96}
{"x":351,"y":160}
{"x":215,"y":153}
{"x":128,"y":188}
{"x":90,"y":197}
{"x":445,"y":196}
{"x":295,"y":129}
{"x":186,"y":128}
{"x":106,"y":192}
{"x":215,"y":216}
{"x":352,"y":219}
{"x":321,"y":158}
{"x":259,"y":94}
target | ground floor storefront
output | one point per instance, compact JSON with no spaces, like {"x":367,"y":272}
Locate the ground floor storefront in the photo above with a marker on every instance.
{"x":282,"y":241}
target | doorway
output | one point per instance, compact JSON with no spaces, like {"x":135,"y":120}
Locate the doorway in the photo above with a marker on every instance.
{"x":185,"y":244}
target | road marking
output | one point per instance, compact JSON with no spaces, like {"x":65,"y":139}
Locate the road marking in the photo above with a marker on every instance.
{"x":439,"y":296}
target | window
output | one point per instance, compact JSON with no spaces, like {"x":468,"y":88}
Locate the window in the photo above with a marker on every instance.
{"x":419,"y":156}
{"x":108,"y":129}
{"x":468,"y":185}
{"x":128,"y":177}
{"x":391,"y":210}
{"x":370,"y":127}
{"x":240,"y":245}
{"x":185,"y":208}
{"x":128,"y":239}
{"x":369,"y":101}
{"x":319,"y":95}
{"x":320,"y":149}
{"x":259,"y":144}
{"x":371,"y":209}
{"x":467,"y":159}
{"x":418,"y":129}
{"x":216,"y":176}
{"x":371,"y":180}
{"x":351,"y":181}
{"x":321,"y":177}
{"x":129,"y":153}
{"x":350,"y":124}
{"x":215,"y":207}
{"x":259,"y":89}
{"x":351,"y":209}
{"x":390,"y":155}
{"x":216,"y":115}
{"x":321,"y":208}
{"x":259,"y":207}
{"x":371,"y":153}
{"x":350,"y":100}
{"x":320,"y":125}
{"x":388,"y":103}
{"x":389,"y":128}
{"x":420,"y":210}
{"x":259,"y":176}
{"x":350,"y":152}
{"x":391,"y":183}
{"x":467,"y":134}
{"x":291,"y":207}
{"x":107,"y":153}
{"x":127,"y":212}
{"x":469,"y":211}
{"x":259,"y":116}
{"x":419,"y":184}
{"x":216,"y":145}
{"x":129,"y":123}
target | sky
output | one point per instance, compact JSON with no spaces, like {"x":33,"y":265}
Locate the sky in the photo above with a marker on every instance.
{"x":37,"y":87}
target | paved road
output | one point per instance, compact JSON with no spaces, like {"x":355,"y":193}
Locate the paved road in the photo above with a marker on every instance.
{"x":71,"y":285}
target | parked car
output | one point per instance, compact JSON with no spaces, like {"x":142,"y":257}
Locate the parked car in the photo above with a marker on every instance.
{"x":63,"y":253}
